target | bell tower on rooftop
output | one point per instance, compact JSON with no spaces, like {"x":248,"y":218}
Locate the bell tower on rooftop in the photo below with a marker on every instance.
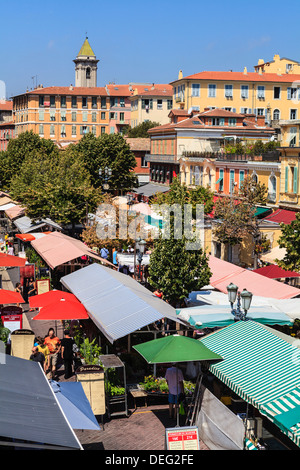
{"x":86,"y":66}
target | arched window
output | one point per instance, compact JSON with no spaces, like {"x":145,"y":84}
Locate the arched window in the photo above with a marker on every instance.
{"x":254,"y":177}
{"x":276,"y":114}
{"x":272,"y":188}
{"x":88,"y":73}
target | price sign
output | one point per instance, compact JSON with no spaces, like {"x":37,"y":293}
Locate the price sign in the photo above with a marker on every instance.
{"x":185,"y":438}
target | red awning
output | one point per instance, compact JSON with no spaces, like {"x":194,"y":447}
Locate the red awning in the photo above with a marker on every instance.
{"x":275,"y":272}
{"x":28,"y":237}
{"x":281,"y":216}
{"x":11,"y":261}
{"x":10,"y":297}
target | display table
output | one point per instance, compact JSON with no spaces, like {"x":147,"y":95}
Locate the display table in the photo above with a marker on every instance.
{"x":139,"y":394}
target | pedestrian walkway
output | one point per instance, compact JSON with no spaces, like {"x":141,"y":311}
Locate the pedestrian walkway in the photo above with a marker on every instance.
{"x":144,"y":429}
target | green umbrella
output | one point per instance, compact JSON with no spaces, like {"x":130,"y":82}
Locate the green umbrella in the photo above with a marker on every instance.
{"x":175,"y":348}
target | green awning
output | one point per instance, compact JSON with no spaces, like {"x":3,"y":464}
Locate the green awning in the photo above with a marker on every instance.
{"x":263,"y":369}
{"x":262,"y":211}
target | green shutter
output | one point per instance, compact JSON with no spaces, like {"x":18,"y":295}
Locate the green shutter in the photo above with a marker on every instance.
{"x":286,"y":178}
{"x":295,"y":180}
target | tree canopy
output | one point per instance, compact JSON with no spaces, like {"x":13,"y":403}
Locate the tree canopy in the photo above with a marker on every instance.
{"x":290,"y":240}
{"x":177,"y":266}
{"x":142,"y":129}
{"x":235,"y":216}
{"x":25,"y":145}
{"x":57,"y":187}
{"x":111,"y":151}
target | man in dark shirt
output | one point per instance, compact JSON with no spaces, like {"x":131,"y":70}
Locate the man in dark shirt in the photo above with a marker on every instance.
{"x":37,"y":356}
{"x":67,"y":353}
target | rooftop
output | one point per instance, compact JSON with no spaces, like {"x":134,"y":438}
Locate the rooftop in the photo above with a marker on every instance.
{"x":242,"y":77}
{"x":86,"y":50}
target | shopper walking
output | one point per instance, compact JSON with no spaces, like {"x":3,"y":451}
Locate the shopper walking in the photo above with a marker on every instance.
{"x":67,"y":353}
{"x":54,"y":345}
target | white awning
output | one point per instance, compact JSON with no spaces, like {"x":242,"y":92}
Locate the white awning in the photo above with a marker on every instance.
{"x":116,"y":303}
{"x":29,"y":410}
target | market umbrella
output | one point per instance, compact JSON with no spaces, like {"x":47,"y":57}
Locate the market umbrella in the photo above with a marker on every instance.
{"x":11,"y":261}
{"x":41,"y":300}
{"x":75,"y":405}
{"x":174,"y":349}
{"x":62,"y":310}
{"x":10,"y":297}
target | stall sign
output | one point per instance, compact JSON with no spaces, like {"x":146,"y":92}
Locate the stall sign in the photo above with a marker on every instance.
{"x":42,"y":286}
{"x":185,"y":438}
{"x":12,"y":322}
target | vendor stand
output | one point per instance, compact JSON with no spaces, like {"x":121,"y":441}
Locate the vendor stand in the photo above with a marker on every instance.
{"x":109,"y":361}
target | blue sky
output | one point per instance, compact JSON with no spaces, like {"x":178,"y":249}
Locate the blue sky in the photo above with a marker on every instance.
{"x":137,"y":41}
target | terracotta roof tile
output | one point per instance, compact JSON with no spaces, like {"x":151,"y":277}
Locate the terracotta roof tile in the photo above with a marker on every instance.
{"x":68,"y":90}
{"x":241,"y":76}
{"x":6,"y":105}
{"x":139,"y":143}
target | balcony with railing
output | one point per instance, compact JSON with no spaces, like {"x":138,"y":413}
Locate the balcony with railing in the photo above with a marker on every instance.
{"x":162,"y":158}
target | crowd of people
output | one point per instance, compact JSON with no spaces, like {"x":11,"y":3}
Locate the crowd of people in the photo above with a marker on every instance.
{"x":51,"y":350}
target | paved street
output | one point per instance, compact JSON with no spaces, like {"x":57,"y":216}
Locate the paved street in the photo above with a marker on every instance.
{"x":144,"y":429}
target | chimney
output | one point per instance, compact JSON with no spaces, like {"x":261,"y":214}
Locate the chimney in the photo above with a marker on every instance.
{"x":245,"y":70}
{"x":180,"y":75}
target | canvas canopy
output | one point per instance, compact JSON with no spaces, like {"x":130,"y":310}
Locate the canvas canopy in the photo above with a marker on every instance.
{"x":57,"y":249}
{"x":218,"y":316}
{"x":263,"y":369}
{"x":116,"y":303}
{"x":28,"y":408}
{"x":223,"y":273}
{"x":26,"y":225}
{"x":275,"y":272}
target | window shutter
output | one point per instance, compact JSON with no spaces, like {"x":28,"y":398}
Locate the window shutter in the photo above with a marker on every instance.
{"x":289,"y":93}
{"x":295,"y":180}
{"x":286,"y":178}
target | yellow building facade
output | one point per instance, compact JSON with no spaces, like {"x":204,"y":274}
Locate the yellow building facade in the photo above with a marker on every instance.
{"x":151,"y":103}
{"x":274,"y":95}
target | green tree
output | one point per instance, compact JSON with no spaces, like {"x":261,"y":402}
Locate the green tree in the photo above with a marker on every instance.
{"x":181,"y":194}
{"x":19,"y":149}
{"x":235,"y":218}
{"x":176,"y":266}
{"x":176,"y":271}
{"x":108,"y":150}
{"x":290,"y":240}
{"x":58,"y":188}
{"x":142,"y":129}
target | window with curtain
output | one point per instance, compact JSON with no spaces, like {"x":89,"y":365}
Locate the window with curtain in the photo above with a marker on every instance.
{"x":244,"y":91}
{"x":195,"y":89}
{"x":212,"y":90}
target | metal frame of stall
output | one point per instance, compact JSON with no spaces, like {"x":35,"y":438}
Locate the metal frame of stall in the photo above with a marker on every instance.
{"x":112,"y":361}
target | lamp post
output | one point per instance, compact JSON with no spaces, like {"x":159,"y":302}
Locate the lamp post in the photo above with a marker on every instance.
{"x":140,"y":249}
{"x":105,"y":175}
{"x":243,"y":298}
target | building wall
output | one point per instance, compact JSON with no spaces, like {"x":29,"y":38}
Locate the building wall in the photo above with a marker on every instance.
{"x":267,"y":106}
{"x":278,"y":65}
{"x":289,"y":181}
{"x":57,"y":122}
{"x":159,"y":111}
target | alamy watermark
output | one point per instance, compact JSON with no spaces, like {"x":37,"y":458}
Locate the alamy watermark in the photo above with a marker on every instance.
{"x":166,"y":221}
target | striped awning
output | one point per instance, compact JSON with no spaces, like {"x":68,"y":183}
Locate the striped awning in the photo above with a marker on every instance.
{"x":263,"y":369}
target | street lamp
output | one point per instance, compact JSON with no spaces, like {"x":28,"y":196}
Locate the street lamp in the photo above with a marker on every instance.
{"x":245,"y":297}
{"x":140,"y":248}
{"x":246,"y":300}
{"x":105,"y":175}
